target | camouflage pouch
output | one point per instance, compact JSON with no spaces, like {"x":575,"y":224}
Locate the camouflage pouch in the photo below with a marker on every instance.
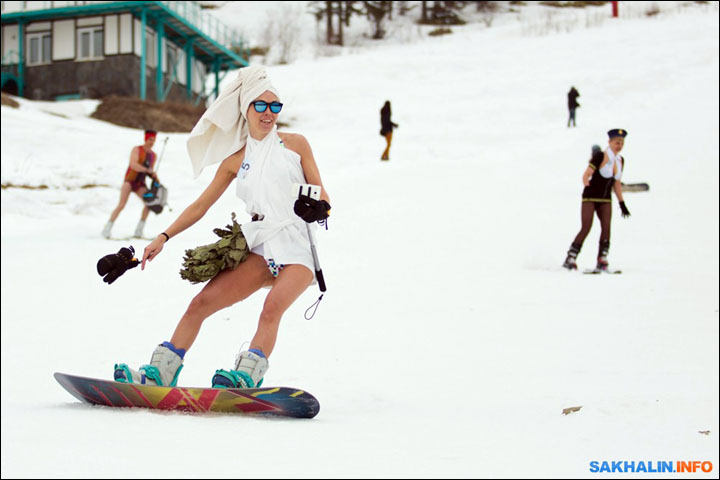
{"x":203,"y":263}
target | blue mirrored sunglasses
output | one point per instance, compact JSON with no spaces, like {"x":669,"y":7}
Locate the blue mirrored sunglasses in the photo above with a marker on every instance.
{"x":261,"y":106}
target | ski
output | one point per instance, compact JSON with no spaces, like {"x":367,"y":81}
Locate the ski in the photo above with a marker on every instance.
{"x":597,"y":271}
{"x":273,"y":401}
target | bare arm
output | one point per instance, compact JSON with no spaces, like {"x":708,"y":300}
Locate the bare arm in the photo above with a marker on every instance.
{"x":135,"y":161}
{"x":196,"y":210}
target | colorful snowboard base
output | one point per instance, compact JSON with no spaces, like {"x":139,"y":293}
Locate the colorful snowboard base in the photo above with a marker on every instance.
{"x":275,"y":401}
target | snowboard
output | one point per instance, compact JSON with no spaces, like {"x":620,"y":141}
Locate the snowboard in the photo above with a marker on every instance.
{"x":273,"y":401}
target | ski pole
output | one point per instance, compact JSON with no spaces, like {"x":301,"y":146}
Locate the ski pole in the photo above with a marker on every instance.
{"x":157,"y":167}
{"x":162,"y":152}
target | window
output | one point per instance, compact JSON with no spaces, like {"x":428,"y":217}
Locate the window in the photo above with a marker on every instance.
{"x":172,"y":60}
{"x":39,"y":48}
{"x":90,"y":43}
{"x":151,"y":48}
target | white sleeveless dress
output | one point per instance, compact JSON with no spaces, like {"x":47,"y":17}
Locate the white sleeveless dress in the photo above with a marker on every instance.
{"x":265,"y":183}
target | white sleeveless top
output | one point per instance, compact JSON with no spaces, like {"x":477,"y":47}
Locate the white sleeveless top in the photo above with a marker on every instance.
{"x":614,"y":164}
{"x":264,"y":182}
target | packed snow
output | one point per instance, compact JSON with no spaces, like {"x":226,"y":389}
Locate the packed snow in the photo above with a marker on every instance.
{"x":450,"y":339}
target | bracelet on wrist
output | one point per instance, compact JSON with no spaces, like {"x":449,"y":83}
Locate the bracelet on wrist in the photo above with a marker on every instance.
{"x":167,"y":237}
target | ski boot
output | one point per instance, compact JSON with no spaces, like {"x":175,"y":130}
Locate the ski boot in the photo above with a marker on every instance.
{"x":164,"y":368}
{"x":250,"y":368}
{"x":602,"y":261}
{"x":106,"y":231}
{"x":602,"y":264}
{"x":139,"y":229}
{"x":571,"y":259}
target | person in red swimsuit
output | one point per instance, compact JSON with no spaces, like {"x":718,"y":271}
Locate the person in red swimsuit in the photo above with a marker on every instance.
{"x":142,"y":162}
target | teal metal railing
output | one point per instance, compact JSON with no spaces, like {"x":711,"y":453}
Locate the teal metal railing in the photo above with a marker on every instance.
{"x":206,"y":22}
{"x":11,"y":57}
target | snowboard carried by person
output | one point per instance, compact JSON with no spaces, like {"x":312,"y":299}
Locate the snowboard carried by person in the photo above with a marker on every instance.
{"x":635,"y":187}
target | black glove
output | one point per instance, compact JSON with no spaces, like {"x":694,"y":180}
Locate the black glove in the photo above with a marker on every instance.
{"x":311,"y":210}
{"x":112,"y":266}
{"x":625,"y":211}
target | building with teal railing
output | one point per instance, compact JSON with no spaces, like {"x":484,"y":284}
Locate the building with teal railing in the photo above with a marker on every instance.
{"x":163,"y":50}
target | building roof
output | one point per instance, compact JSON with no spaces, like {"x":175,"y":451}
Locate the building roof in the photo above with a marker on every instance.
{"x":183,"y":22}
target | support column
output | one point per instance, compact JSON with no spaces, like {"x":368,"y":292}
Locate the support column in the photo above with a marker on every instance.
{"x":188,"y":67}
{"x":158,"y":69}
{"x":143,"y":55}
{"x":216,"y":69}
{"x":21,"y":58}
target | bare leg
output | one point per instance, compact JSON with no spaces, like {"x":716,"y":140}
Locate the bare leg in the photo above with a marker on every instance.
{"x":124,"y":194}
{"x":226,"y":289}
{"x":292,"y":281}
{"x":146,"y":211}
{"x":386,"y":153}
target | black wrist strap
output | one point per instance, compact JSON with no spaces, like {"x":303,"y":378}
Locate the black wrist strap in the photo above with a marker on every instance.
{"x":167,"y":237}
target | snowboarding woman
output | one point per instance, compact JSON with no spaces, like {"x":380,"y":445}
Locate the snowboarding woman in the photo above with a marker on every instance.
{"x":601,"y":177}
{"x":238,"y":129}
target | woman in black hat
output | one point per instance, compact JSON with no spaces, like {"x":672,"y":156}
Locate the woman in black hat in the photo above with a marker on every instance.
{"x":601,"y":177}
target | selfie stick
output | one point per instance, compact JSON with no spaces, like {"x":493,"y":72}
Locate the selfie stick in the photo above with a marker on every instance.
{"x":316,"y":261}
{"x":313,"y":248}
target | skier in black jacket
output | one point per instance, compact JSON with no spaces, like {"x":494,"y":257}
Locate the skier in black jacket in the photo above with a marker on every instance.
{"x":572,"y":105}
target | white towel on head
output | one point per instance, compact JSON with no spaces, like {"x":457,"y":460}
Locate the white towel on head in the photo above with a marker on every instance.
{"x":223,"y":130}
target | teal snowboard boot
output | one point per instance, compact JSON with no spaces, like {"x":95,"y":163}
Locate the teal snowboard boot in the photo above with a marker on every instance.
{"x":250,"y":368}
{"x":163,"y":370}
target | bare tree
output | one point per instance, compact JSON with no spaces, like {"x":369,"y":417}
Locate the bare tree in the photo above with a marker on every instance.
{"x":335,"y":14}
{"x":443,"y":13}
{"x":488,"y":9}
{"x":376,"y":12}
{"x":283,"y":32}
